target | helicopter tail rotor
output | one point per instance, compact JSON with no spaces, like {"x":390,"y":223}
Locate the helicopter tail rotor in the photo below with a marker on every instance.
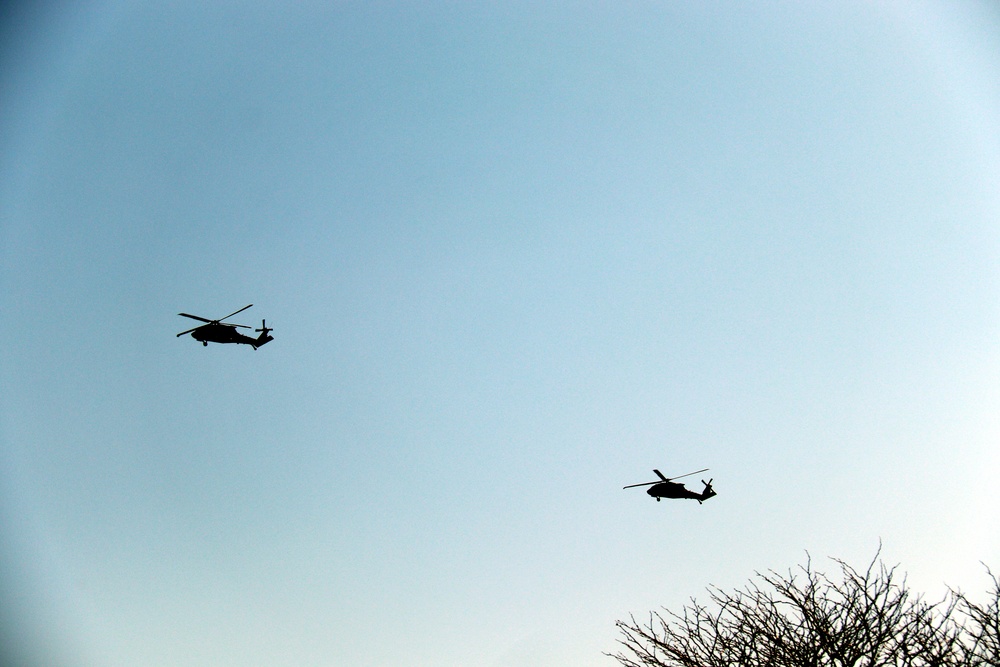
{"x":265,"y":336}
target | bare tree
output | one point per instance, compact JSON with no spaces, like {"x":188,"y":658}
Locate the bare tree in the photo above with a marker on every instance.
{"x":866,"y":618}
{"x":981,"y":630}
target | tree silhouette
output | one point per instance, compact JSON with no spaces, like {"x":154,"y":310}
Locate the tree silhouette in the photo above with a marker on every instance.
{"x":981,"y":631}
{"x":866,"y":618}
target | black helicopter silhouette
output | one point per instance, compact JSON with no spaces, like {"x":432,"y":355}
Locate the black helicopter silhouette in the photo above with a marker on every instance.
{"x":665,"y":487}
{"x":217,"y":331}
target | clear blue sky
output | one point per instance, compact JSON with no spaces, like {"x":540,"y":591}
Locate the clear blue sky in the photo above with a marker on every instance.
{"x":515,"y":257}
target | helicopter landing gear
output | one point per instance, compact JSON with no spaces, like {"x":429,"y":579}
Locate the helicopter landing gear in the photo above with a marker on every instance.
{"x":205,"y":343}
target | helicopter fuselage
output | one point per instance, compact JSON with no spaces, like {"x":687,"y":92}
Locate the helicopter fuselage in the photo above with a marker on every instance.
{"x":671,"y":490}
{"x":677,"y":490}
{"x":221,"y":333}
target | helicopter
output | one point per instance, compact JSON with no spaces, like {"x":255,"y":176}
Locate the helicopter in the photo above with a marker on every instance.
{"x":217,"y":331}
{"x":665,"y":487}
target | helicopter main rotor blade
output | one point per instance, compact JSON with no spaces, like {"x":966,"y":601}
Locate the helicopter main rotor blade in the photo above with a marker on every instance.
{"x":643,"y":484}
{"x":187,"y":332}
{"x":195,"y":317}
{"x":690,"y":473}
{"x":233,"y":313}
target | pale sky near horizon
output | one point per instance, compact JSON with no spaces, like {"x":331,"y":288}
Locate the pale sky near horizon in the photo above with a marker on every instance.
{"x":515,"y":257}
